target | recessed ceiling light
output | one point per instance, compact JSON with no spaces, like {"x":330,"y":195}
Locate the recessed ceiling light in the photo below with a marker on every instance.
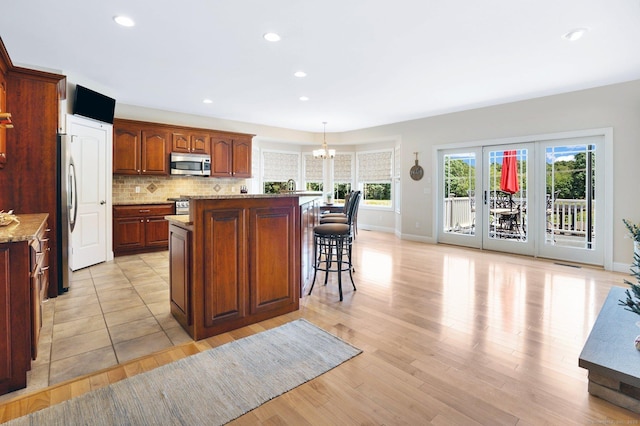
{"x":125,"y":21}
{"x":304,"y":98}
{"x":575,"y":34}
{"x":207,"y":101}
{"x":271,"y":37}
{"x":300,"y":74}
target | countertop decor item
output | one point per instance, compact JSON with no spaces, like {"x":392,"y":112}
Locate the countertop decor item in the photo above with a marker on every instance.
{"x":8,"y":218}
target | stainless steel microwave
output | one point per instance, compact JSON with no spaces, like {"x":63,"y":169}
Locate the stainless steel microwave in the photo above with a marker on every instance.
{"x":190,"y":164}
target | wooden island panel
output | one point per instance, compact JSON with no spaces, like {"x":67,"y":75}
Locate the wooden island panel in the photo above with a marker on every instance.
{"x":245,"y":262}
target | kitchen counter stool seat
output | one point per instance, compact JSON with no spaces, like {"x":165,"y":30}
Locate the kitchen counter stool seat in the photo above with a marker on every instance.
{"x":332,"y":252}
{"x":332,"y":243}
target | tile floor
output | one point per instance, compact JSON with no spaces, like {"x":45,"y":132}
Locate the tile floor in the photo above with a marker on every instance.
{"x":113,"y":312}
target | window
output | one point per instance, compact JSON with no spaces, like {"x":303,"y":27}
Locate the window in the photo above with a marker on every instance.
{"x":374,"y":177}
{"x":342,"y":176}
{"x":278,"y":167}
{"x":313,"y":173}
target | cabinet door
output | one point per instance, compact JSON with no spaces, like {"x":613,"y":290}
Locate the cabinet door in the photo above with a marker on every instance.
{"x":242,"y":158}
{"x":156,"y":231}
{"x":3,"y":131}
{"x":180,"y":142}
{"x":225,"y":266}
{"x":5,"y":317}
{"x":221,"y":153}
{"x":200,"y":143}
{"x":128,"y":233}
{"x":155,"y":149}
{"x":36,"y":312}
{"x":180,"y":272}
{"x":275,"y":274}
{"x":126,"y":150}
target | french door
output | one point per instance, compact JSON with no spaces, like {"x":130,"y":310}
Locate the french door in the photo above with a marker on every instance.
{"x":530,"y":198}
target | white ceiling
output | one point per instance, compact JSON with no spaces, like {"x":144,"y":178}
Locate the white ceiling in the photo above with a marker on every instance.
{"x":369,"y":62}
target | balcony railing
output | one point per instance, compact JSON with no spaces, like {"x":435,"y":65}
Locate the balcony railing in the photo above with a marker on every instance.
{"x":563,"y":216}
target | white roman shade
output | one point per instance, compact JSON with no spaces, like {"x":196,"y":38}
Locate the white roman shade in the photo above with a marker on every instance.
{"x":313,"y":169}
{"x":342,"y":168}
{"x":375,"y":166}
{"x":280,"y":166}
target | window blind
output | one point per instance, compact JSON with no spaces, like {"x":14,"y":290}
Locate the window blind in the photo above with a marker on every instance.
{"x":312,"y":169}
{"x":342,"y":169}
{"x":280,"y":166}
{"x":375,"y":166}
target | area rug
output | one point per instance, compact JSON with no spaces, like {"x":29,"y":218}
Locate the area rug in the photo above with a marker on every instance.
{"x":209,"y":388}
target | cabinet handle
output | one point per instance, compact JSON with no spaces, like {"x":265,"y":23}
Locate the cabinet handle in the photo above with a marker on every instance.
{"x":144,"y":171}
{"x":47,"y":230}
{"x":44,"y":240}
{"x":144,"y":211}
{"x":44,"y":269}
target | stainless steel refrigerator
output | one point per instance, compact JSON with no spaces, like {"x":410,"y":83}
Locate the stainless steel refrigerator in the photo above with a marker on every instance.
{"x":67,"y":208}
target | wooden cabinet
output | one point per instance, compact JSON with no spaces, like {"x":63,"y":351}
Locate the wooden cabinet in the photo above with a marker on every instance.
{"x":244,"y":263}
{"x":180,"y":273}
{"x":140,"y":228}
{"x":230,"y":157}
{"x":3,"y":109}
{"x":189,"y":142}
{"x":24,"y":263}
{"x":28,"y":180}
{"x":142,"y":148}
{"x":39,"y":261}
{"x":140,"y":151}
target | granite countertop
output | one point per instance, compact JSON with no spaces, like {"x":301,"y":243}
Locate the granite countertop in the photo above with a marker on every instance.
{"x":26,"y":230}
{"x":179,"y":219}
{"x":140,"y":203}
{"x":228,"y":196}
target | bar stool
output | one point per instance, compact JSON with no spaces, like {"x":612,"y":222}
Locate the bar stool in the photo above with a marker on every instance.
{"x":344,"y":217}
{"x":332,"y":243}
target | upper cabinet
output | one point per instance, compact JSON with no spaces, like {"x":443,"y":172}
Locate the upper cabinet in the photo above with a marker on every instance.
{"x":231,"y":156}
{"x":141,"y":148}
{"x":3,"y":110}
{"x":195,"y":143}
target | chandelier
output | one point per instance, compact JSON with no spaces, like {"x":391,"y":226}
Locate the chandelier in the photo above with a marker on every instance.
{"x":323,"y":152}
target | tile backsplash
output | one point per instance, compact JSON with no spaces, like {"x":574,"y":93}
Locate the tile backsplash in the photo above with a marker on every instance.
{"x":158,"y":188}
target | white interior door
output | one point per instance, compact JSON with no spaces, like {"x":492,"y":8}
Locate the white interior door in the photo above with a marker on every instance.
{"x":88,"y":151}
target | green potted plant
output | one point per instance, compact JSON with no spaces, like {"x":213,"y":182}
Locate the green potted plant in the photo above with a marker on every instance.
{"x":632,"y":302}
{"x":633,"y":229}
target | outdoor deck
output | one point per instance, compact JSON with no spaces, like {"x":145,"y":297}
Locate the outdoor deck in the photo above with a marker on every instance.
{"x":566,"y":220}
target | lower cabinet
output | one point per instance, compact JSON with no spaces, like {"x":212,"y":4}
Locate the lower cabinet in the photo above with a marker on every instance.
{"x":24,"y":279}
{"x":238,"y":264}
{"x":180,"y":273}
{"x":140,"y":228}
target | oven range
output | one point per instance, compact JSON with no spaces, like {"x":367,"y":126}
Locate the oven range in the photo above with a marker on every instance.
{"x":182,"y":205}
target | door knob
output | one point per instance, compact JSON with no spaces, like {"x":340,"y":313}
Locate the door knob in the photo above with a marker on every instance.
{"x":102,"y":202}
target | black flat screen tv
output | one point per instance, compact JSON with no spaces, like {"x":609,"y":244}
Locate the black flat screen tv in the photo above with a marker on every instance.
{"x":94,"y":105}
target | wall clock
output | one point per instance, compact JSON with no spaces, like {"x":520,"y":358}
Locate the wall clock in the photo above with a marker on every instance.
{"x":416,"y":171}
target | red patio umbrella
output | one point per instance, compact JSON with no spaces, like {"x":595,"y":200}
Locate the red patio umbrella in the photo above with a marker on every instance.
{"x":509,"y":174}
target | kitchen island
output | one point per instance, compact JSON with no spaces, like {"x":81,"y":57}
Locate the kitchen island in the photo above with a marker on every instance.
{"x":236,"y":260}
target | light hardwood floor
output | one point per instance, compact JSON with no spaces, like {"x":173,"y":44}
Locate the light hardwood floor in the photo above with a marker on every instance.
{"x":450,"y":336}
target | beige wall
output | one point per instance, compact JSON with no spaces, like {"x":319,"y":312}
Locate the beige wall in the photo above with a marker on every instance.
{"x":616,"y":106}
